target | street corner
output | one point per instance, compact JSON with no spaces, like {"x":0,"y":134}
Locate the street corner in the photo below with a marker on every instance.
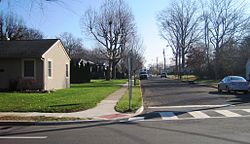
{"x":113,"y":116}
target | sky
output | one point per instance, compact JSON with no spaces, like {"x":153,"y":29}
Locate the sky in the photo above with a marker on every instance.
{"x":54,"y":18}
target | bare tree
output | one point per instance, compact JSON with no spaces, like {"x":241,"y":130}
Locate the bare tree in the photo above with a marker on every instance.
{"x":179,"y":26}
{"x":73,"y":45}
{"x":206,"y":36}
{"x":227,"y":21}
{"x":136,"y":50}
{"x":196,"y":60}
{"x":112,"y":26}
{"x":32,"y":34}
{"x":11,"y":27}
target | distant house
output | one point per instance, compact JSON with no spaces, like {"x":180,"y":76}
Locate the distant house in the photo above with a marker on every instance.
{"x":34,"y":64}
{"x":248,"y":70}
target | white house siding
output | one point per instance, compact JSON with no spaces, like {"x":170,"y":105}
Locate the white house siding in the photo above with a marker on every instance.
{"x":59,"y":59}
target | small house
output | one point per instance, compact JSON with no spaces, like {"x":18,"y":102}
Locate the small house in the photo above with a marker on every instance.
{"x":34,"y":65}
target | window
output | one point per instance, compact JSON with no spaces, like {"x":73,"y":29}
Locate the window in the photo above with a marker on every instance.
{"x":49,"y":68}
{"x":28,"y":68}
{"x":67,"y":70}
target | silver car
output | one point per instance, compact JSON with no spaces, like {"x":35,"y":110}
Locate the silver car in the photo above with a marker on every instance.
{"x":233,"y":83}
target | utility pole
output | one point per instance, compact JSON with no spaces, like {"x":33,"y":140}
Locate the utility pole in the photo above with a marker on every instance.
{"x":157,"y":67}
{"x":130,"y":79}
{"x":164,"y":57}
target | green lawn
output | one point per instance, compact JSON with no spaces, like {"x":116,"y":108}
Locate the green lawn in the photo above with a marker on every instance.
{"x":78,"y":97}
{"x":123,"y":104}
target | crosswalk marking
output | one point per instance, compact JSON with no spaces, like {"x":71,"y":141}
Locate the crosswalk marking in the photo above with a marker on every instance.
{"x":188,"y":115}
{"x":198,"y":114}
{"x":168,"y":115}
{"x":228,"y":113}
{"x":136,"y":119}
{"x":246,"y":110}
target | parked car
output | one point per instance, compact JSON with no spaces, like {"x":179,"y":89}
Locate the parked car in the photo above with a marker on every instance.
{"x":233,"y":83}
{"x":163,"y":75}
{"x":143,"y":75}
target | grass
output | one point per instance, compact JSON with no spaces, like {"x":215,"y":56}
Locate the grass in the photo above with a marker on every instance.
{"x":78,"y":97}
{"x":123,"y":104}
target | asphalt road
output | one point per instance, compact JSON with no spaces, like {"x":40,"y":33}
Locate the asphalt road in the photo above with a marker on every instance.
{"x":208,"y":131}
{"x":234,"y":128}
{"x":158,"y":92}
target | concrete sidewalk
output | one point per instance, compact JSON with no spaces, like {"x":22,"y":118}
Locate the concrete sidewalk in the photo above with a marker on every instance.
{"x":103,"y":111}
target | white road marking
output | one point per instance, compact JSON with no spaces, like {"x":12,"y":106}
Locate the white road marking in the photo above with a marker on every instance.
{"x":136,"y":119}
{"x":198,"y":114}
{"x":23,"y":137}
{"x":188,"y":106}
{"x":168,"y":115}
{"x":228,"y":113}
{"x":246,"y":110}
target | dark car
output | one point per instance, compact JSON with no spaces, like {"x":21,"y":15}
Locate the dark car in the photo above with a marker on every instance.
{"x":233,"y":83}
{"x":163,"y":75}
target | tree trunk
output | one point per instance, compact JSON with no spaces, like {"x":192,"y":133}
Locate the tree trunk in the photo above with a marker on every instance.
{"x":179,"y":61}
{"x":113,"y":71}
{"x":176,"y":64}
{"x":183,"y":60}
{"x":109,"y":70}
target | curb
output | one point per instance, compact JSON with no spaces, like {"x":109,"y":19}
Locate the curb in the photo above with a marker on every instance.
{"x":29,"y":123}
{"x":140,"y":110}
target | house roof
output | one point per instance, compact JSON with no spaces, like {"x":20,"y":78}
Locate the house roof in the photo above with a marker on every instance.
{"x":25,"y":48}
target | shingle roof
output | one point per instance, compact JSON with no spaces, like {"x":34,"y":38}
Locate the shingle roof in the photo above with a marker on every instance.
{"x":25,"y":48}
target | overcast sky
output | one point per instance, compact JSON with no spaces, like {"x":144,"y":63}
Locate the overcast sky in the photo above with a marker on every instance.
{"x":54,"y":18}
